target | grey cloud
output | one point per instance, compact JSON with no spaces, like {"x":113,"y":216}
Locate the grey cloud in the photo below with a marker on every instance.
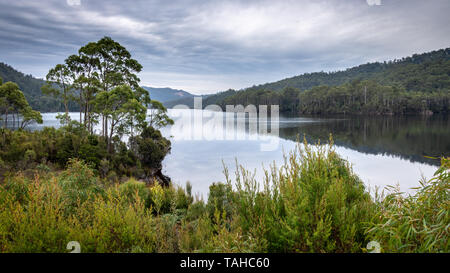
{"x":207,"y":46}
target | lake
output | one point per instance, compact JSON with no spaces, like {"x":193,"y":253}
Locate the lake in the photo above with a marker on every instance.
{"x":383,"y":150}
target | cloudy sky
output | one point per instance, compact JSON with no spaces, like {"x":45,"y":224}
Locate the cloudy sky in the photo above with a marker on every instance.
{"x":210,"y":46}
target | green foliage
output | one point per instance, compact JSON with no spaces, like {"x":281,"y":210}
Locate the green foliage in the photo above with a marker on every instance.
{"x":17,"y":187}
{"x":78,"y":183}
{"x":357,"y":97}
{"x":121,"y":107}
{"x":14,"y":107}
{"x":158,"y":115}
{"x":32,"y":90}
{"x":427,"y":72}
{"x":220,"y":200}
{"x":133,"y":190}
{"x":371,"y":98}
{"x":419,"y":222}
{"x":151,"y":148}
{"x":60,"y":85}
{"x":21,"y":150}
{"x":313,"y":203}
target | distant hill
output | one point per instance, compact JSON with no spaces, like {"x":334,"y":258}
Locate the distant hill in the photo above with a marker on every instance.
{"x":31,"y":88}
{"x":425,"y":72}
{"x":420,"y":72}
{"x":167,"y":94}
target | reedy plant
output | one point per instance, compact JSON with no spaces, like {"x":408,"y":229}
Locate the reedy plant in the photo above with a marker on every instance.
{"x":418,"y":222}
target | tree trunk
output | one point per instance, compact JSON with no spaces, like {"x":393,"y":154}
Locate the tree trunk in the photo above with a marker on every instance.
{"x":66,"y":106}
{"x":81,"y":108}
{"x":110,"y":137}
{"x":6,"y":118}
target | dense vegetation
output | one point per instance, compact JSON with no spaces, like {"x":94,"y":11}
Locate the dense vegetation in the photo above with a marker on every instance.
{"x":357,"y":97}
{"x":313,"y":203}
{"x":371,"y":98}
{"x":101,"y":79}
{"x":427,"y":72}
{"x":417,"y":84}
{"x":52,"y":149}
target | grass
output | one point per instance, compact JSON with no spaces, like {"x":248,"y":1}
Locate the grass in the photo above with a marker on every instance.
{"x":313,"y":203}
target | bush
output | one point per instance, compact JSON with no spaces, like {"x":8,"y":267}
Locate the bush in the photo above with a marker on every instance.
{"x":18,"y":188}
{"x":313,"y":203}
{"x":220,"y":200}
{"x":78,"y":183}
{"x":21,"y":150}
{"x":133,"y":191}
{"x":419,"y":222}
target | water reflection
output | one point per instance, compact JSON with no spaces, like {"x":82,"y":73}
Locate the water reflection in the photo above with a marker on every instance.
{"x":383,"y":150}
{"x":414,"y":138}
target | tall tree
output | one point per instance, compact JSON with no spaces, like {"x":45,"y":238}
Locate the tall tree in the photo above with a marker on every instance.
{"x":120,"y":106}
{"x":115,"y":67}
{"x":85,"y":80}
{"x":60,"y":85}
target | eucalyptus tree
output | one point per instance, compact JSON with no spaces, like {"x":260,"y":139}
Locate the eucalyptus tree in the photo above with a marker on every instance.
{"x":115,"y":68}
{"x":158,"y":117}
{"x":14,"y":103}
{"x":120,"y":106}
{"x":103,"y":75}
{"x":29,"y":116}
{"x":60,"y":85}
{"x":85,"y":80}
{"x":100,"y":67}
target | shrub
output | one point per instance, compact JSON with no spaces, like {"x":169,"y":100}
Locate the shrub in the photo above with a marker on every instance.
{"x":37,"y":224}
{"x":219,"y":200}
{"x":18,"y":188}
{"x":314,"y":203}
{"x":419,"y":222}
{"x":78,"y":183}
{"x":133,"y":190}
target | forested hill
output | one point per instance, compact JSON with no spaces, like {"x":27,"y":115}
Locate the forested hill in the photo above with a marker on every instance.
{"x":412,"y":85}
{"x":421,"y":72}
{"x":31,"y":88}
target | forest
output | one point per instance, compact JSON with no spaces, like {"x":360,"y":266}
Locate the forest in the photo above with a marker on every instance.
{"x":425,"y":72}
{"x":419,"y":84}
{"x":356,"y":97}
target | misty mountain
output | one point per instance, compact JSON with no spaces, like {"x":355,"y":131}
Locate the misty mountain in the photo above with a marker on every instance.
{"x":167,"y":94}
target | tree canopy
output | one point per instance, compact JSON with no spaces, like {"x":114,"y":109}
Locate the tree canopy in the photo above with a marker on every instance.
{"x":14,"y":107}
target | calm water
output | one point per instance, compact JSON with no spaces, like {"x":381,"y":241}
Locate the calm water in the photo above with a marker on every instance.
{"x":383,"y":150}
